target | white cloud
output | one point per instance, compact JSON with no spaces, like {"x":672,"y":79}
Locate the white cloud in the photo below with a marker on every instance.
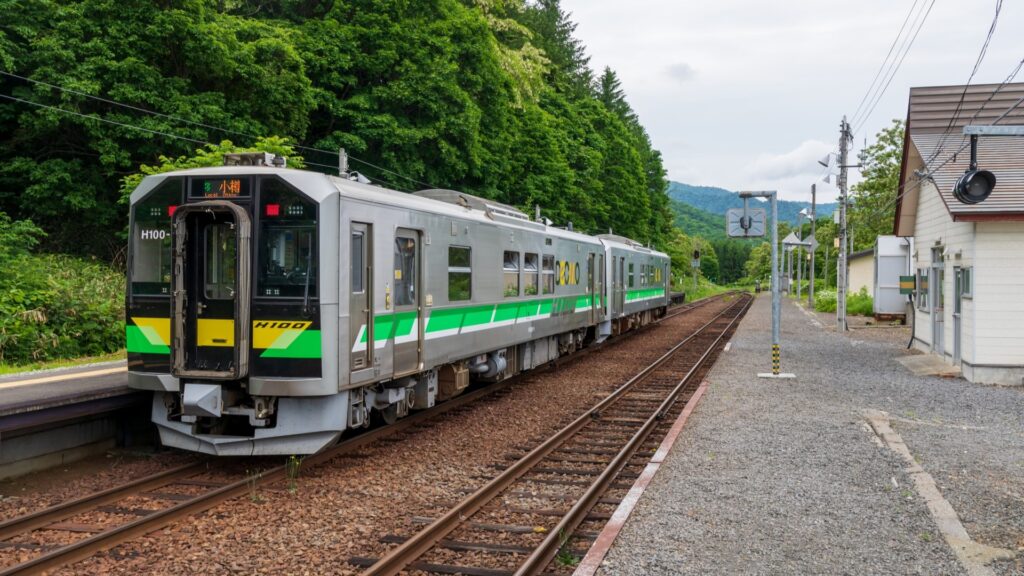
{"x":802,"y":160}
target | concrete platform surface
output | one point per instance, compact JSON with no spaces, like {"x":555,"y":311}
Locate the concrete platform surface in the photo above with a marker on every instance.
{"x":928,"y":365}
{"x":35,"y":390}
{"x":856,"y":466}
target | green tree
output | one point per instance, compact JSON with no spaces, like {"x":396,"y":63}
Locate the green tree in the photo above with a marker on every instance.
{"x":874,"y":198}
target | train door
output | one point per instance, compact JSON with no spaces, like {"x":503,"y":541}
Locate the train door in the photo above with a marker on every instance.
{"x":360,"y":305}
{"x":602,"y":303}
{"x":406,"y":323}
{"x":210,"y":313}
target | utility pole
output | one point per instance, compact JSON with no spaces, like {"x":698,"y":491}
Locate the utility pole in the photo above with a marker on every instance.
{"x":799,"y":257}
{"x":810,"y":291}
{"x":844,"y":141}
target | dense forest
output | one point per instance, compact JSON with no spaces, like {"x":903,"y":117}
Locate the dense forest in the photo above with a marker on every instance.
{"x":492,"y":97}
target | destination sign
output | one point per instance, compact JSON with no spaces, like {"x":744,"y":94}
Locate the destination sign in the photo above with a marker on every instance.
{"x":220,"y":187}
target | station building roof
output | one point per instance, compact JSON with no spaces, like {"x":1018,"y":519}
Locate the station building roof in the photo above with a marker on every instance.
{"x":936,"y":148}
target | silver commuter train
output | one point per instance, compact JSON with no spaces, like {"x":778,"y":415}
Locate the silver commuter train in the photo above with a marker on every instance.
{"x":271,"y":309}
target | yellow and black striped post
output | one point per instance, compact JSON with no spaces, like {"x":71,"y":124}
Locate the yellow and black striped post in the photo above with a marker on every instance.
{"x":775,"y":359}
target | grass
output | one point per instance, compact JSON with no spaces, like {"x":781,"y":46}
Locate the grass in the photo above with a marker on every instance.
{"x":62,"y":363}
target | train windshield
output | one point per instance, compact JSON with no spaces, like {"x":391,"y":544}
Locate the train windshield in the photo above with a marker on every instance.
{"x":151,"y":240}
{"x":288,"y":259}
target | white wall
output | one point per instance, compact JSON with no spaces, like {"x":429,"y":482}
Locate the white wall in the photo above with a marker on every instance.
{"x":999,"y":293}
{"x":934,"y":223}
{"x":862,"y":274}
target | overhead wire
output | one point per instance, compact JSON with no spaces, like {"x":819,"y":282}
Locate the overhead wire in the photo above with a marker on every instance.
{"x":884,"y":61}
{"x":963,"y":94}
{"x":905,"y":48}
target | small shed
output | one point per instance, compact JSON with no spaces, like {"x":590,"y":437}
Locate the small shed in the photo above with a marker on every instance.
{"x":892,"y":260}
{"x":862,"y":271}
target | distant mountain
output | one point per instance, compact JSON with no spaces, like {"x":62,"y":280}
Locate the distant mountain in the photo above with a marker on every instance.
{"x":718,"y":200}
{"x":696,"y":222}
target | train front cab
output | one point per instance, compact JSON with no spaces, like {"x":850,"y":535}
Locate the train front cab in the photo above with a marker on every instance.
{"x":226,"y":310}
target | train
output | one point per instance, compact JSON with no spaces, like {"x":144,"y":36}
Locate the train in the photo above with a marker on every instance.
{"x":271,"y":309}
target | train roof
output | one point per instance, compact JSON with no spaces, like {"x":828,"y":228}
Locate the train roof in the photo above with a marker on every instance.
{"x":319,"y":186}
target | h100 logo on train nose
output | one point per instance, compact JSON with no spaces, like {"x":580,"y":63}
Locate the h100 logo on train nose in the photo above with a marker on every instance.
{"x":283,"y":325}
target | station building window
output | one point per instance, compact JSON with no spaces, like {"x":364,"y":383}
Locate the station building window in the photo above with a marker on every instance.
{"x":922,"y":289}
{"x":548,"y":274}
{"x":460,"y":273}
{"x":510,"y":267}
{"x":531,"y":275}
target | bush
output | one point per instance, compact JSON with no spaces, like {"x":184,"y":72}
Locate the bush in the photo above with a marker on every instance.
{"x":54,"y":306}
{"x":825,"y":300}
{"x":857,"y":304}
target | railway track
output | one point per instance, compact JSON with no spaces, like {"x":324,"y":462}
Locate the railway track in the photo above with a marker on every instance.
{"x":139,"y":507}
{"x":517,"y":523}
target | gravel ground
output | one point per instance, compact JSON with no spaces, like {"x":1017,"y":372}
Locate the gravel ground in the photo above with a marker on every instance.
{"x":783,"y":477}
{"x":341,"y":509}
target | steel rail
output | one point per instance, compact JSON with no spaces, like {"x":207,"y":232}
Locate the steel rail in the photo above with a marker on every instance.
{"x":557,"y":537}
{"x":87,"y":547}
{"x":417,"y":545}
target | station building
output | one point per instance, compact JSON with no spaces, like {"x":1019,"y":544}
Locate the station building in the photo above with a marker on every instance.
{"x":969,"y":259}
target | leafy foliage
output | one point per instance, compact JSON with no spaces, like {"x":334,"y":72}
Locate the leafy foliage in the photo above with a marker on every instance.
{"x":493,"y":97}
{"x":857,"y":304}
{"x":54,"y":306}
{"x":874,"y":197}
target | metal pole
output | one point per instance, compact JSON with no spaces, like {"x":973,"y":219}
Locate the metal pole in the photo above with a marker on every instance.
{"x":810,"y":291}
{"x":776,"y":296}
{"x":844,"y":139}
{"x":799,"y":257}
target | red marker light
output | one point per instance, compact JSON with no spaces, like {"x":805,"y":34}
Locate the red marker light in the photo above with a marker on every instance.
{"x":170,"y":211}
{"x":273,"y":209}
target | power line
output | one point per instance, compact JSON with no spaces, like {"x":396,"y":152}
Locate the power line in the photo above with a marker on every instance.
{"x":87,"y":116}
{"x":909,"y":43}
{"x":884,"y":61}
{"x":207,"y":126}
{"x":963,"y":94}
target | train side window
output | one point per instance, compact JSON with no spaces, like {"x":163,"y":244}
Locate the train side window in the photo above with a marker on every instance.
{"x":405,"y":271}
{"x":358,"y":266}
{"x":511,"y":269}
{"x":532,"y":275}
{"x":460,"y":273}
{"x":548,"y":274}
{"x":151,"y":240}
{"x":643,"y":274}
{"x":629,"y":275}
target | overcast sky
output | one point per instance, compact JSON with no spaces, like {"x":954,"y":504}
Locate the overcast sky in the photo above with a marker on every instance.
{"x":748,"y":94}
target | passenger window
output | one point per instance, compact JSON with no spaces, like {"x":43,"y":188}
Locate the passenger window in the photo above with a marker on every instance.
{"x":643,"y":274}
{"x":358,"y":267}
{"x":405,"y":271}
{"x":511,"y":270}
{"x":548,"y":274}
{"x":532,"y":275}
{"x":630,"y":275}
{"x":460,"y":273}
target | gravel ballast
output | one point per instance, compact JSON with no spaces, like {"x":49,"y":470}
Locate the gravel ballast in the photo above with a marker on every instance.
{"x":784,"y":476}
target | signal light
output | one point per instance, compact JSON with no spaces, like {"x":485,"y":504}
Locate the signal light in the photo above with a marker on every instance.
{"x":974,"y":186}
{"x":170,"y":211}
{"x":273,"y":209}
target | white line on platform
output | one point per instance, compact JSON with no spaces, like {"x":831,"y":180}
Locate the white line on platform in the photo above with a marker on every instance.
{"x":972,"y":555}
{"x":61,"y":377}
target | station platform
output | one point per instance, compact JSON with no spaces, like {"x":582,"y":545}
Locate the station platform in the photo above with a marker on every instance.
{"x":53,"y":417}
{"x":31,"y":391}
{"x":855,"y":466}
